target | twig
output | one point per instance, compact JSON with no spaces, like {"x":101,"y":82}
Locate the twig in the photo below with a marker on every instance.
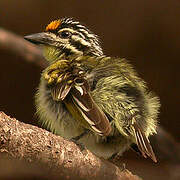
{"x":18,"y":45}
{"x":166,"y":147}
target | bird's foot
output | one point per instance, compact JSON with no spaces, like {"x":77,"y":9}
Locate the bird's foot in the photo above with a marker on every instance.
{"x":80,"y":145}
{"x":75,"y":140}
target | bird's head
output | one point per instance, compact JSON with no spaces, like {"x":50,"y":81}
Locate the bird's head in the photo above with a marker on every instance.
{"x":66,"y":37}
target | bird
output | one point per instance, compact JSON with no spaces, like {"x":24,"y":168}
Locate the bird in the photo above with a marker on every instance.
{"x":95,"y":100}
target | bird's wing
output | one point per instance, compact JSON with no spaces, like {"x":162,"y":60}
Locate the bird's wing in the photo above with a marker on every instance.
{"x":142,"y":142}
{"x":78,"y":99}
{"x":90,"y":111}
{"x":60,"y":91}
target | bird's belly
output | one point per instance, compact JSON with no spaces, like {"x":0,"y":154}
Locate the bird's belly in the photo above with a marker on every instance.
{"x":55,"y":117}
{"x":95,"y":143}
{"x":105,"y":148}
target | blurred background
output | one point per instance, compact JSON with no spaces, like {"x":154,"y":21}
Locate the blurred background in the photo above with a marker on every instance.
{"x":147,"y":33}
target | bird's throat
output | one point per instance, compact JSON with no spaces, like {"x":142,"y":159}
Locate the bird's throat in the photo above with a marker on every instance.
{"x":51,"y":53}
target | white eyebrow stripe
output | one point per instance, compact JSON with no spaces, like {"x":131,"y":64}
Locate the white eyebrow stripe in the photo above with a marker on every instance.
{"x":67,"y":29}
{"x":84,"y":31}
{"x":81,"y":26}
{"x":74,"y":22}
{"x":87,"y":33}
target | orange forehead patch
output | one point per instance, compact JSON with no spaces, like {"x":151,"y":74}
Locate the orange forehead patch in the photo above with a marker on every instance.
{"x":53,"y":25}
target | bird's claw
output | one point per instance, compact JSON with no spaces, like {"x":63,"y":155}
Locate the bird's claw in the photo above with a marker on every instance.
{"x":80,"y":145}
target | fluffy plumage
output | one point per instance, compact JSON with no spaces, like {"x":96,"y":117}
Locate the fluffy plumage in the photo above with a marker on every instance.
{"x":84,"y":91}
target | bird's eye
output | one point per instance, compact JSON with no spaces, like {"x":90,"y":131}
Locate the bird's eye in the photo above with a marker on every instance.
{"x":65,"y":34}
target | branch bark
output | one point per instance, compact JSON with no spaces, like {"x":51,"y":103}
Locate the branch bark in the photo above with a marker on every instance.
{"x":24,"y":141}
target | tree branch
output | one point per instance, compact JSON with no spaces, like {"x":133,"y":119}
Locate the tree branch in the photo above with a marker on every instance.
{"x":16,"y":44}
{"x":166,"y":147}
{"x":24,"y":141}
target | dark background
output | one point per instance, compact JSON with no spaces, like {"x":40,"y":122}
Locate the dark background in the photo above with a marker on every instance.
{"x":145,"y":32}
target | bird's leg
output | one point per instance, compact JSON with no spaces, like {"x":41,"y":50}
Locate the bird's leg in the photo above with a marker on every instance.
{"x":113,"y":157}
{"x":77,"y":138}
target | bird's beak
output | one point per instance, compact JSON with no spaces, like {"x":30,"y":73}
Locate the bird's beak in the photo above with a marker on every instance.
{"x":40,"y":38}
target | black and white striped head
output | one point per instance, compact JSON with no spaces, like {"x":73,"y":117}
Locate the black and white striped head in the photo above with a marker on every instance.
{"x":69,"y":37}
